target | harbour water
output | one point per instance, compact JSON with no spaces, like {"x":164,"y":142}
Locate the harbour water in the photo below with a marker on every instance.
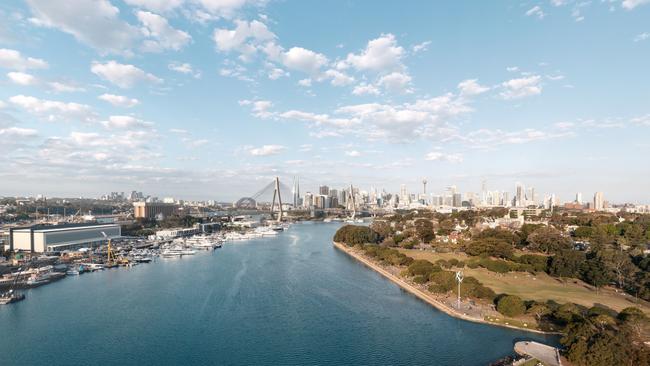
{"x":292,"y":299}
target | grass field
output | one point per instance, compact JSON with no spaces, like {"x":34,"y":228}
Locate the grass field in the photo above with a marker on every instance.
{"x":541,"y":287}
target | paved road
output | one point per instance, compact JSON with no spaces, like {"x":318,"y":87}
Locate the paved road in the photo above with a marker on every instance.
{"x":542,"y":352}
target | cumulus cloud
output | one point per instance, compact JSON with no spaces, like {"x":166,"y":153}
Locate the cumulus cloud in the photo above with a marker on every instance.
{"x":471,"y":87}
{"x":396,"y":82}
{"x":119,"y":100}
{"x":21,"y":78}
{"x":266,"y":150}
{"x":184,"y":68}
{"x":521,"y":87}
{"x":260,"y":108}
{"x":92,"y":22}
{"x":424,"y":118}
{"x":381,"y":55}
{"x":53,"y":110}
{"x":64,"y":87}
{"x":14,"y":60}
{"x":421,"y":47}
{"x":353,"y":153}
{"x":245,"y":38}
{"x":365,"y":89}
{"x":641,"y":37}
{"x":161,"y":36}
{"x":301,"y":59}
{"x":124,"y":76}
{"x":631,"y":4}
{"x":17,"y":132}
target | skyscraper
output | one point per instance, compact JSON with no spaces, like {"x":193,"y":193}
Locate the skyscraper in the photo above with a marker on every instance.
{"x":599,"y":199}
{"x":579,"y":197}
{"x":296,"y":192}
{"x":520,"y":195}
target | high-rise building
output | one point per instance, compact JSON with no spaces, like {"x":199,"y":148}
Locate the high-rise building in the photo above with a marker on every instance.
{"x":296,"y":192}
{"x":520,"y":196}
{"x":599,"y":200}
{"x":457,"y":200}
{"x":404,"y":197}
{"x":325,"y":190}
{"x":579,"y":197}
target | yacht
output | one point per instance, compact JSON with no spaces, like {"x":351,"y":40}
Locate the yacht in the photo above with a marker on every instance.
{"x":10,"y":296}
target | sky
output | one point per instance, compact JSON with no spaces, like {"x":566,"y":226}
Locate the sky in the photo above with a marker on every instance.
{"x":211,"y":99}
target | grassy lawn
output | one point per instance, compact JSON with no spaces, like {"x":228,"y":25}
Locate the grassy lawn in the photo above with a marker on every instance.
{"x":541,"y":287}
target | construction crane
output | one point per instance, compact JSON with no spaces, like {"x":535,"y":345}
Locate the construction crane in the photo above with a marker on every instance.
{"x":110,"y":256}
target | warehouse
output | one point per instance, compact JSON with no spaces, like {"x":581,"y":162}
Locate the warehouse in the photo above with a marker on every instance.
{"x":57,"y":238}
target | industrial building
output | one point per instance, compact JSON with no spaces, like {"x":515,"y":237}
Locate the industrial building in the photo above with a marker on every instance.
{"x":153,"y":210}
{"x":58,"y":238}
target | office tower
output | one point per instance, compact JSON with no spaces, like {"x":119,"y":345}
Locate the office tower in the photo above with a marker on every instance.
{"x":598,"y":201}
{"x":519,"y":194}
{"x":296,"y":192}
{"x":325,"y":190}
{"x":579,"y":197}
{"x":404,"y":195}
{"x":457,"y":200}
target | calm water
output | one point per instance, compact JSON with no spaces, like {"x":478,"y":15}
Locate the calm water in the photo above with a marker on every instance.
{"x":289,"y":300}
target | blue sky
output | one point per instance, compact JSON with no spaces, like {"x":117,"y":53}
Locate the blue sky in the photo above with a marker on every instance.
{"x":210,"y":99}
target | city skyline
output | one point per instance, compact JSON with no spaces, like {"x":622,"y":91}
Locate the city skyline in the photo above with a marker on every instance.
{"x":212,"y":99}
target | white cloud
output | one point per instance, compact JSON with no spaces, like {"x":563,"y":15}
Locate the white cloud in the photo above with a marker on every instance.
{"x":93,"y":22}
{"x":12,"y":59}
{"x":512,"y":68}
{"x":266,"y":150}
{"x":227,"y":8}
{"x":641,"y":37}
{"x":119,"y":100}
{"x":159,"y":6}
{"x":53,"y":110}
{"x":536,"y":11}
{"x":246,"y":38}
{"x":301,"y":59}
{"x":64,"y":87}
{"x":471,"y":87}
{"x":260,"y":108}
{"x":631,"y":4}
{"x":489,"y":139}
{"x":381,"y":54}
{"x":396,"y":82}
{"x":126,"y":123}
{"x":440,"y":156}
{"x":353,"y":153}
{"x":425,"y":118}
{"x":276,"y":73}
{"x":421,"y":47}
{"x":179,"y":131}
{"x":521,"y":87}
{"x":184,"y":68}
{"x":338,"y":78}
{"x":305,"y":82}
{"x":124,"y":76}
{"x":365,"y":89}
{"x":642,"y":120}
{"x":161,"y":35}
{"x":17,"y":132}
{"x":21,"y":78}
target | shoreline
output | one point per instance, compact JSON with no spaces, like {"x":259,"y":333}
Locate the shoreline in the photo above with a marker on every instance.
{"x":425,"y":296}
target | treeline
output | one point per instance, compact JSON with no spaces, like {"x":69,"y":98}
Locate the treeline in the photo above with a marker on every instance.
{"x":593,"y":336}
{"x":612,"y":251}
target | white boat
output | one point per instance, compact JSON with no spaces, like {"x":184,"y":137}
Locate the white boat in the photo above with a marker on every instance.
{"x":171,"y":253}
{"x":188,"y":252}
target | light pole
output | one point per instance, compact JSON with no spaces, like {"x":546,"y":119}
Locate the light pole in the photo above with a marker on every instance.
{"x":459,"y":279}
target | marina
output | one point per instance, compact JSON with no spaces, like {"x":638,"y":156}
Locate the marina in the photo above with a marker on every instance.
{"x":234,"y":305}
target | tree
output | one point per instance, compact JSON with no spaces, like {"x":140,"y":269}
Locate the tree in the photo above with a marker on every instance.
{"x":424,"y":230}
{"x":352,"y":235}
{"x":511,"y":305}
{"x":566,"y":263}
{"x":594,"y":272}
{"x":382,"y":228}
{"x":446,"y":227}
{"x":548,"y":240}
{"x":583,"y":232}
{"x":539,"y":310}
{"x":421,"y":267}
{"x":490,"y":247}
